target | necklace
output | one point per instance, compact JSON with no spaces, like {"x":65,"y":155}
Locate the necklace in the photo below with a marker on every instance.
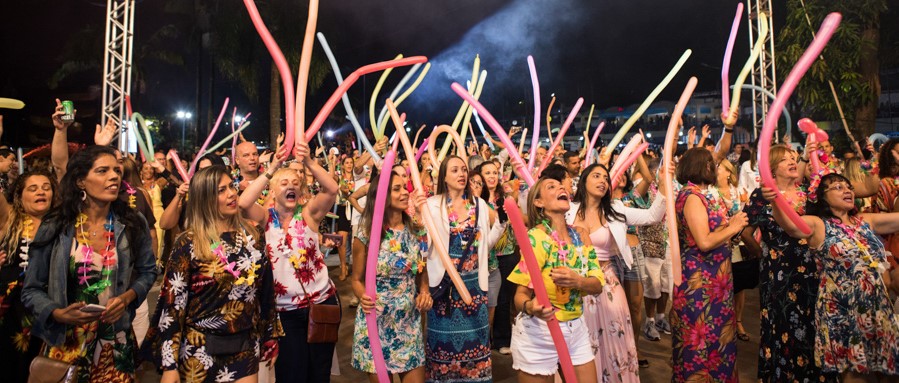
{"x":296,"y":233}
{"x":27,"y":226}
{"x":132,"y":200}
{"x":87,"y":255}
{"x":454,"y":219}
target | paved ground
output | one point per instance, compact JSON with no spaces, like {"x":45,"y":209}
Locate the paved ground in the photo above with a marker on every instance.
{"x":658,"y":353}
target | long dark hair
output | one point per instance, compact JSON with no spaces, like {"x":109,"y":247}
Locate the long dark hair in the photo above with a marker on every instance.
{"x":485,"y":193}
{"x":888,"y":165}
{"x":71,"y":204}
{"x":605,"y":203}
{"x":368,"y":212}
{"x":820,"y":207}
{"x":441,"y":177}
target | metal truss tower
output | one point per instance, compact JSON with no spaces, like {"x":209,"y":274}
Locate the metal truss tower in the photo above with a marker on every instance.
{"x":763,"y":73}
{"x":117,"y":64}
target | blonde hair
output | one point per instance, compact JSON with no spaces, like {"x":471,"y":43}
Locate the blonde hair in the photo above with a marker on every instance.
{"x":853,"y":170}
{"x":777,"y":154}
{"x":202,"y":215}
{"x":535,"y":214}
{"x":732,"y":178}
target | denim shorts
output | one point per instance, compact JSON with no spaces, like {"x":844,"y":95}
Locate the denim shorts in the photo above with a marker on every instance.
{"x":637,"y":271}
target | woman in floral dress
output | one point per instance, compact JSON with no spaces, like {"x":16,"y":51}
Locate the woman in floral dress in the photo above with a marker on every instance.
{"x":215,"y":320}
{"x":402,"y":287}
{"x":703,"y":308}
{"x":607,"y":313}
{"x":788,"y":281}
{"x":458,"y":344}
{"x":292,"y":245}
{"x":32,"y":197}
{"x":858,"y":332}
{"x":94,"y":249}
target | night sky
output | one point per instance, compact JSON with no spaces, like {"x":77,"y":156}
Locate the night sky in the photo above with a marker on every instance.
{"x":612,"y":53}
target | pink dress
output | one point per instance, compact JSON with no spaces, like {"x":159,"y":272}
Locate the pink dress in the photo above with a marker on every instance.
{"x":609,"y":320}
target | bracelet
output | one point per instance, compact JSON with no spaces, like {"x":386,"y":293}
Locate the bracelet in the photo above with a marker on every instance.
{"x":165,"y":173}
{"x":803,"y":159}
{"x":525,"y":307}
{"x":728,"y":130}
{"x":267,"y":175}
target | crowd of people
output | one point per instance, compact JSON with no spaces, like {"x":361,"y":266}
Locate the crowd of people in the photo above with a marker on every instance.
{"x":238,"y":251}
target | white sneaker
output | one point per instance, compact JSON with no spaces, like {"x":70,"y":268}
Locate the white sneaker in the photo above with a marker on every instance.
{"x":663,"y":326}
{"x":650,"y":332}
{"x":505,"y":351}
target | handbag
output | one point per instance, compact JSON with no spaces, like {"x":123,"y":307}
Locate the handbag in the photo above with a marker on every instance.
{"x":446,"y":284}
{"x":324,"y":321}
{"x":46,"y":370}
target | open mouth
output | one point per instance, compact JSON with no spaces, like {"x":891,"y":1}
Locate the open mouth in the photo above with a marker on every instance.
{"x":232,"y":204}
{"x":291,"y":196}
{"x":40,"y":200}
{"x":563,"y":197}
{"x":114,"y":188}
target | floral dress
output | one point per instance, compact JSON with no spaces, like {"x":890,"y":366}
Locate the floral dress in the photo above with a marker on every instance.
{"x":103,"y":354}
{"x":17,"y":345}
{"x":788,"y":289}
{"x":458,"y":333}
{"x":703,"y":307}
{"x":857,"y":328}
{"x":399,"y":322}
{"x":229,"y":297}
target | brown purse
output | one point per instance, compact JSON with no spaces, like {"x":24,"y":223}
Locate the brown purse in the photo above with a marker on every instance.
{"x":47,"y":370}
{"x":324,"y":321}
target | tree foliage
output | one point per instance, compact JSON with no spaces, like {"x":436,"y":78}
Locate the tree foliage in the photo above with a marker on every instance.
{"x":850,"y":47}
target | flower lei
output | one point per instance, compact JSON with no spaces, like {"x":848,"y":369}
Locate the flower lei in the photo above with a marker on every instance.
{"x":132,"y":200}
{"x":454,"y":220}
{"x":395,"y":246}
{"x":299,"y":257}
{"x":853,"y":232}
{"x":218,"y":248}
{"x":87,"y":255}
{"x":27,"y":226}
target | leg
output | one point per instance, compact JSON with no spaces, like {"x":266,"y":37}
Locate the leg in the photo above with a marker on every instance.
{"x":341,"y":251}
{"x":854,"y":377}
{"x":293,"y":364}
{"x":414,"y":376}
{"x":634,"y":292}
{"x":524,"y":377}
{"x":586,"y":372}
{"x":248,"y":379}
{"x":739,"y":301}
{"x":502,"y":330}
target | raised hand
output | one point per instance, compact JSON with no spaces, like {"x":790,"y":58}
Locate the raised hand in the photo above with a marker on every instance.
{"x":706,"y":131}
{"x":730,"y":119}
{"x":58,"y":123}
{"x":301,"y":151}
{"x":104,"y":136}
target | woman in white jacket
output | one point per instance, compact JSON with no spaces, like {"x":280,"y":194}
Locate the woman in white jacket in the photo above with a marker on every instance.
{"x":458,"y":346}
{"x":607,"y":314}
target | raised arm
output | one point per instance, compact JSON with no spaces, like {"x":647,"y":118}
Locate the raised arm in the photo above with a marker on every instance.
{"x":247,"y":201}
{"x":816,"y":237}
{"x":726,"y":137}
{"x":59,"y":149}
{"x":883,"y":223}
{"x":171,"y":214}
{"x":322,"y":202}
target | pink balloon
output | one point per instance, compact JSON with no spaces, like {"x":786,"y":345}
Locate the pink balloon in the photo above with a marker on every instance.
{"x":814,"y":161}
{"x":349,"y":81}
{"x":668,"y":183}
{"x":589,"y":159}
{"x":421,"y":149}
{"x":810,"y":127}
{"x":193,"y":165}
{"x":178,"y":165}
{"x":430,"y":224}
{"x":616,"y":176}
{"x":283,"y":70}
{"x":503,"y":137}
{"x":561,"y":134}
{"x":371,"y":266}
{"x":625,"y":153}
{"x":725,"y":64}
{"x":786,"y":90}
{"x":535,"y":136}
{"x":533,"y":270}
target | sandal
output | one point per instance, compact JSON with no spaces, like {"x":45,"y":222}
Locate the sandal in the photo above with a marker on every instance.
{"x":742,"y":335}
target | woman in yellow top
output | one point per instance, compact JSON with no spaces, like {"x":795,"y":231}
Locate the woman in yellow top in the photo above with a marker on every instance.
{"x":569,"y":270}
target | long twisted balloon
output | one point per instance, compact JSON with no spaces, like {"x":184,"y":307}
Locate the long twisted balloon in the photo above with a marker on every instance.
{"x":668,"y":183}
{"x":786,"y":90}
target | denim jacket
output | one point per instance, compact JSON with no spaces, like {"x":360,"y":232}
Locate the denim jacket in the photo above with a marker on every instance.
{"x":48,"y":270}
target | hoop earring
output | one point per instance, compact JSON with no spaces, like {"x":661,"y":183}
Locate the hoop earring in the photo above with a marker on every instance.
{"x":83,"y":195}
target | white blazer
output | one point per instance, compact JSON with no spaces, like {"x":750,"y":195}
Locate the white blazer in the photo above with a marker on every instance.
{"x":489,"y":236}
{"x":633,"y":217}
